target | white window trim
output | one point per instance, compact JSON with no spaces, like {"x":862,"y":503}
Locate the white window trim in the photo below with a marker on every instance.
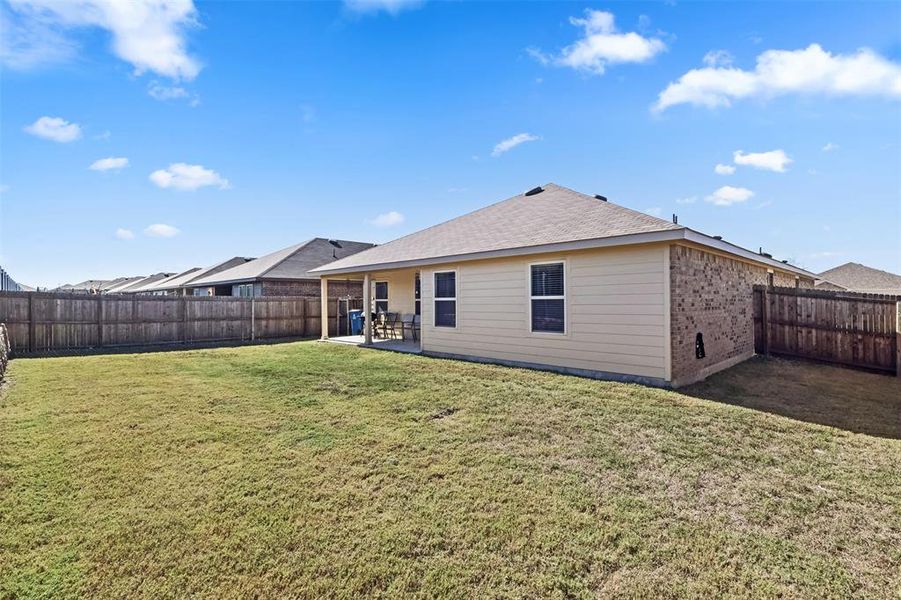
{"x":436,"y":299}
{"x":558,"y":261}
{"x":376,"y":299}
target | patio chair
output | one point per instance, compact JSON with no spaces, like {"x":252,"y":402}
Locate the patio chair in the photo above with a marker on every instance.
{"x":392,"y":320}
{"x":378,"y":324}
{"x":408,"y":322}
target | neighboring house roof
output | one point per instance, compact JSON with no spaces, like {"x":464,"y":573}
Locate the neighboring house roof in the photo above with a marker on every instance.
{"x":186,"y":278}
{"x":293,"y":262}
{"x":139,"y":284}
{"x":550,"y":218}
{"x":113,"y":283}
{"x":856,"y":277}
{"x":125,"y":282}
{"x":153,"y":286}
{"x":88,"y":284}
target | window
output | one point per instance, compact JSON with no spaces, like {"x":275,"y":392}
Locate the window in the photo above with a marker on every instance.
{"x":548,"y":299}
{"x":446,"y":299}
{"x":417,"y":294}
{"x":381,"y":296}
{"x":245,"y":290}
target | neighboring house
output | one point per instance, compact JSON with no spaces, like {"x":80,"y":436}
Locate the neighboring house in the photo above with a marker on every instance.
{"x":556,"y":279}
{"x":141,"y":282}
{"x":90,"y":286}
{"x":120,"y":284}
{"x":855,"y":277}
{"x":282,"y":273}
{"x":179,"y":285}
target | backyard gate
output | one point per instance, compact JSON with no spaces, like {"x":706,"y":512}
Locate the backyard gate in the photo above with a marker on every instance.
{"x":856,"y":330}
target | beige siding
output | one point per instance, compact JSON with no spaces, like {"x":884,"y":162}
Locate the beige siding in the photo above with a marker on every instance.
{"x":400,"y":289}
{"x":615,"y":312}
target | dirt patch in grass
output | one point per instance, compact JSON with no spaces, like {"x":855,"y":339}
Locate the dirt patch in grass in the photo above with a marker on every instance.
{"x":311,"y":470}
{"x":845,"y":398}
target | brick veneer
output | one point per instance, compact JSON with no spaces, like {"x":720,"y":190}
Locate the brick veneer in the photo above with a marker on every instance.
{"x":713,"y":295}
{"x":311,"y":289}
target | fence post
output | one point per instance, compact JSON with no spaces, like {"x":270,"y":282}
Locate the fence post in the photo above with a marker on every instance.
{"x":898,"y":339}
{"x":31,"y":321}
{"x":253,"y":314}
{"x":184,"y":320}
{"x":764,"y":309}
{"x":100,"y":320}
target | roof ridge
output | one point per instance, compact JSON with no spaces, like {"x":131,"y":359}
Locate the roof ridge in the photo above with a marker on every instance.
{"x":297,"y":248}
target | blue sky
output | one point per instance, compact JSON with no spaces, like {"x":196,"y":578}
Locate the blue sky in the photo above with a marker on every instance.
{"x":251,"y":126}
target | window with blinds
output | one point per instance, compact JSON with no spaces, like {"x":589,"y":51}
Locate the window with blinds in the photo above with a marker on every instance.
{"x":548,"y":298}
{"x":446,"y":299}
{"x":381,"y":296}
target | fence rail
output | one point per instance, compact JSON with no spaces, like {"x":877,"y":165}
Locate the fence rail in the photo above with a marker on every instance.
{"x":42,"y":322}
{"x":856,"y":330}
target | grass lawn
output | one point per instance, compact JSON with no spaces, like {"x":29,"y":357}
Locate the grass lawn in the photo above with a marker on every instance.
{"x":314,"y":470}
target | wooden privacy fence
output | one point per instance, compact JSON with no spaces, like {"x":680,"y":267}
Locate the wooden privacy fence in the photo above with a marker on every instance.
{"x":45,"y":322}
{"x":857,"y":330}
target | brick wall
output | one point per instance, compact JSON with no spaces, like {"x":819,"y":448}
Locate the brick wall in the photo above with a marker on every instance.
{"x":712,"y":295}
{"x":311,"y":289}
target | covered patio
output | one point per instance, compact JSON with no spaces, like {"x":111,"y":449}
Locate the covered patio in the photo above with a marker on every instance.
{"x":393,"y":294}
{"x":408,"y":346}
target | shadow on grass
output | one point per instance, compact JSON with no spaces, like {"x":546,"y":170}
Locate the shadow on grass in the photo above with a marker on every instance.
{"x":824,"y":394}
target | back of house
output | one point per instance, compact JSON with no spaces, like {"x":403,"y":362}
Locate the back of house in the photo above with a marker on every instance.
{"x":566,"y":281}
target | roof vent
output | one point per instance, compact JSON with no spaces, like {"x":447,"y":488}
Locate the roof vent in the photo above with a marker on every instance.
{"x":785,"y":262}
{"x":601,"y":198}
{"x":334,"y":243}
{"x":768,"y":255}
{"x":534,"y":191}
{"x":717,"y":237}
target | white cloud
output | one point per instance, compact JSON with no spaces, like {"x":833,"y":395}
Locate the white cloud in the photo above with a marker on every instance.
{"x":601,"y":45}
{"x":687,"y":200}
{"x":161,"y":230}
{"x":728,"y":195}
{"x":811,"y":70}
{"x":149,"y":34}
{"x":512,"y":142}
{"x":163,"y":93}
{"x":181,"y":176}
{"x":103,"y":136}
{"x":54,"y":128}
{"x":389,"y":6}
{"x":124,"y":234}
{"x":106,"y":164}
{"x":825,"y":254}
{"x":829,"y":147}
{"x":774,"y":160}
{"x":654,"y":211}
{"x":721,"y":169}
{"x":388,"y":219}
{"x":718,"y":58}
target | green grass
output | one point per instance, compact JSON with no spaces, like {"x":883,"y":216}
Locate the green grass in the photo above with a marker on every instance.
{"x":313,"y":470}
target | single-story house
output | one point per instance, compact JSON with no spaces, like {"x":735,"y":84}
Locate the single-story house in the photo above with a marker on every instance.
{"x":137,"y":282}
{"x":179,"y":284}
{"x":115,"y":286}
{"x":560,"y":280}
{"x":89,"y":286}
{"x":285,"y":272}
{"x":855,"y":277}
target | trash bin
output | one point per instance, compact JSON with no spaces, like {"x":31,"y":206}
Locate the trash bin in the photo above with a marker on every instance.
{"x":356,"y":321}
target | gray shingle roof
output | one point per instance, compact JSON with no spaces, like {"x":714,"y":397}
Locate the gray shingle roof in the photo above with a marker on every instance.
{"x":555,"y":215}
{"x":153,"y":286}
{"x":185,"y":279}
{"x":126,"y":282}
{"x":139,"y":284}
{"x":861,"y":278}
{"x":293,"y":262}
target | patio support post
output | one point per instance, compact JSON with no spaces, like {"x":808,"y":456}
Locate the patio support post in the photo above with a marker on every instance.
{"x":367,"y":308}
{"x":323,"y":283}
